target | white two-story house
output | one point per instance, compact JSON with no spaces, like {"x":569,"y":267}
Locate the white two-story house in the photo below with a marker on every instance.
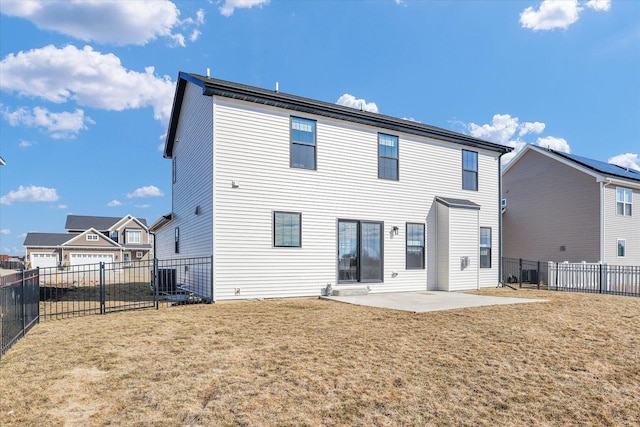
{"x":290,"y":195}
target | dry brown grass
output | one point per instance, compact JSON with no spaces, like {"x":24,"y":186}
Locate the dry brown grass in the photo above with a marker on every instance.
{"x":571,"y":361}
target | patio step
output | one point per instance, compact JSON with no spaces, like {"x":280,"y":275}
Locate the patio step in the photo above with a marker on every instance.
{"x":349,"y":291}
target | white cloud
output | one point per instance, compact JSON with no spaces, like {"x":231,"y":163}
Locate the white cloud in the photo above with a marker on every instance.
{"x":599,"y":5}
{"x":349,"y":100}
{"x":31,"y":193}
{"x":144,"y":206}
{"x":229,"y":6}
{"x":106,"y":22}
{"x":194,"y":35}
{"x":148,"y":191}
{"x":114,"y":203}
{"x":62,"y":206}
{"x":87,"y":77}
{"x":507,"y":130}
{"x":25,"y":144}
{"x":557,"y":144}
{"x":626,"y":160}
{"x":551,"y":14}
{"x":58,"y":125}
{"x":5,"y":231}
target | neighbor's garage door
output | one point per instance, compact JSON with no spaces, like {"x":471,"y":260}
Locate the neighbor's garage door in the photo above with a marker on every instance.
{"x":44,"y":260}
{"x":83,"y":259}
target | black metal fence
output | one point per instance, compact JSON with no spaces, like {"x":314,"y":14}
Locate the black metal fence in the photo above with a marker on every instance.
{"x":525,"y":273}
{"x":105,"y":288}
{"x":19,"y":306}
{"x":12,"y":265}
{"x":595,"y":278}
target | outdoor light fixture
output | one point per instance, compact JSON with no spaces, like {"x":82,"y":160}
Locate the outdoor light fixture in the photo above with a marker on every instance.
{"x":395,"y":230}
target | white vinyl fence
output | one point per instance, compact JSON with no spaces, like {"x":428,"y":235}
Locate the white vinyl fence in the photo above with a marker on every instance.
{"x":598,"y":278}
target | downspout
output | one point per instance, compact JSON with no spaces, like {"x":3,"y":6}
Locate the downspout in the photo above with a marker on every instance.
{"x":500,"y":219}
{"x":603,"y":211}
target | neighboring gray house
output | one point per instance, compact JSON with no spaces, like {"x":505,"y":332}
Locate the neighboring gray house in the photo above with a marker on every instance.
{"x":91,"y":240}
{"x":290,"y":194}
{"x":563,"y":207}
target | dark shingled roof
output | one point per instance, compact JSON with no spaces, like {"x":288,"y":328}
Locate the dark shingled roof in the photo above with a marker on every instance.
{"x":47,"y":239}
{"x":457,"y":203}
{"x":100,"y":223}
{"x":216,"y":87}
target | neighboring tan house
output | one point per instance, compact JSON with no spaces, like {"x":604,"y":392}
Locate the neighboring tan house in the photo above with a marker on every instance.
{"x":91,"y":240}
{"x":290,"y":195}
{"x":563,"y":207}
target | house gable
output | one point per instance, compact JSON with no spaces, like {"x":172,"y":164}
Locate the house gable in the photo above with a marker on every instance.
{"x":91,"y":238}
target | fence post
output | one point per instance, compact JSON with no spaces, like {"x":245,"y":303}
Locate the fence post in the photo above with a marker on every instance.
{"x":212,"y":288}
{"x":102,"y":290}
{"x":23,"y":308}
{"x":520,"y":272}
{"x":557,"y":274}
{"x":155,"y":283}
{"x":538,"y":275}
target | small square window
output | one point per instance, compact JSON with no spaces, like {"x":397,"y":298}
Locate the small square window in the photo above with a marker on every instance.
{"x":92,"y":237}
{"x":287,"y":229}
{"x":139,"y":254}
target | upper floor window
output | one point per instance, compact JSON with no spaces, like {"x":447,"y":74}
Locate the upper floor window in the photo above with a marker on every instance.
{"x":303,"y":143}
{"x":623,"y":201}
{"x":485,"y":247}
{"x":133,"y":237}
{"x":114,"y":236}
{"x":415,"y":246}
{"x":92,"y":237}
{"x":622,"y":248}
{"x":287,"y":230}
{"x":387,"y":156}
{"x":469,"y":170}
{"x":177,"y":240}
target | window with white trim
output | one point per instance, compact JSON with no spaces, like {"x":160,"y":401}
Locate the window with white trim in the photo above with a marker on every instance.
{"x":138,"y":254}
{"x":622,"y":248}
{"x":624,"y":200}
{"x":177,"y":240}
{"x":303,"y":143}
{"x":485,"y":247}
{"x":92,"y":237}
{"x":133,"y":237}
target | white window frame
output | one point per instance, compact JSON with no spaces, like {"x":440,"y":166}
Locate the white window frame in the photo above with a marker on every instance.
{"x":624,"y":248}
{"x":92,"y":238}
{"x":621,"y":191}
{"x":138,"y":254}
{"x":129,"y":233}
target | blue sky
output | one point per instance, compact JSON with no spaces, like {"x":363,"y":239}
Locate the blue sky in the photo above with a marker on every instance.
{"x":86,"y":86}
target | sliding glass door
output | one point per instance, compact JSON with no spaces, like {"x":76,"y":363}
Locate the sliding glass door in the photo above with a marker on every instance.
{"x":360,"y":255}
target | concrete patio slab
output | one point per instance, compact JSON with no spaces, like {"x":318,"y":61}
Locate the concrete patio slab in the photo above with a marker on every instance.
{"x":422,"y":302}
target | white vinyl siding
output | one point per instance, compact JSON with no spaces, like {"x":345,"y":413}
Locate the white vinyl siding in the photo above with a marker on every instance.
{"x":620,"y":227}
{"x":194,"y":180}
{"x":252,"y":150}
